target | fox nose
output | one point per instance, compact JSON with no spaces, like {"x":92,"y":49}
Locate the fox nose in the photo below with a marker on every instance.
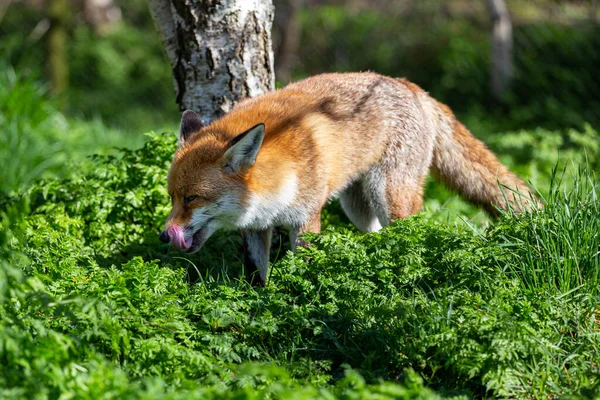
{"x":164,"y":237}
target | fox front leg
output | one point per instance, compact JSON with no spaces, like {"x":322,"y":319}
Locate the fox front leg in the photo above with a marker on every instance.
{"x":312,"y":225}
{"x":257,"y":244}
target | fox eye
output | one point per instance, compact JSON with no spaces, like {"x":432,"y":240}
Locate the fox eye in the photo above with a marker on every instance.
{"x":189,"y":199}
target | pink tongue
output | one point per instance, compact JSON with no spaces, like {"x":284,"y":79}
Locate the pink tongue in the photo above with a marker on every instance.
{"x":178,"y":238}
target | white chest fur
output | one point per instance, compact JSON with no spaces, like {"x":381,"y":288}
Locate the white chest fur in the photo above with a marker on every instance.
{"x":275,"y":208}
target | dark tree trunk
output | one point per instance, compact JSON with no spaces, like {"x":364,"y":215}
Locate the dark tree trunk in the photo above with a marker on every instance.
{"x":289,"y":32}
{"x":220,"y":51}
{"x":502,"y":47}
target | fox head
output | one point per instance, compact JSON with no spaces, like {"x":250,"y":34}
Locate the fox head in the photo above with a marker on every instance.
{"x":206,"y":181}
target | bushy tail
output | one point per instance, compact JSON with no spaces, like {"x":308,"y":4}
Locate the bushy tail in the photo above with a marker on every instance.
{"x":466,"y":165}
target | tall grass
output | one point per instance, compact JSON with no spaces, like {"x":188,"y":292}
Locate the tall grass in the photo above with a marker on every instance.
{"x":37,"y":140}
{"x":559,"y":247}
{"x":28,"y":123}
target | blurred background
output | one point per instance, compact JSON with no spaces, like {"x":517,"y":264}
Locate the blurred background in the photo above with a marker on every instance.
{"x":83,"y":76}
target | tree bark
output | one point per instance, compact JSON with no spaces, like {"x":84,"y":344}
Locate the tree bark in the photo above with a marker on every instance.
{"x":502,"y":47}
{"x":58,"y":13}
{"x":219,"y":50}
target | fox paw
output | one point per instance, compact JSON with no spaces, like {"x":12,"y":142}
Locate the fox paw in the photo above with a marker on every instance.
{"x":305,"y":244}
{"x":302,"y":243}
{"x":256,"y":280}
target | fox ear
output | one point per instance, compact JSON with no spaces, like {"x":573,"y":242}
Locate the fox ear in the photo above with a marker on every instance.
{"x":190,"y":124}
{"x":244,"y":149}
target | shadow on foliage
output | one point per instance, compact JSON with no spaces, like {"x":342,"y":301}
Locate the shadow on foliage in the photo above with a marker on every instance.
{"x":220,"y":259}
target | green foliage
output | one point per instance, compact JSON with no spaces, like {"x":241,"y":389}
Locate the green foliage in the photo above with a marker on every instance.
{"x":94,"y":306}
{"x":336,"y":39}
{"x":569,"y":55}
{"x":131,"y":62}
{"x":119,"y":75}
{"x":38,"y":140}
{"x":535,"y":153}
{"x":555,"y":84}
{"x":126,"y":333}
{"x":120,"y":200}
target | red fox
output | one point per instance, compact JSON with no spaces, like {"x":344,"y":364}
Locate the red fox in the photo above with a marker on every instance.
{"x":276,"y":159}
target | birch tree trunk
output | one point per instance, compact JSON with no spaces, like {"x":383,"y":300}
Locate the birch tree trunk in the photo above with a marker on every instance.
{"x":220,"y":51}
{"x":502,"y":47}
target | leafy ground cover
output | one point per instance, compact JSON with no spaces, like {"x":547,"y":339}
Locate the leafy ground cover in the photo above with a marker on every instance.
{"x":92,"y":305}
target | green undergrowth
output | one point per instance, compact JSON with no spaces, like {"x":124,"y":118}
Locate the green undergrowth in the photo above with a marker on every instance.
{"x":38,"y":140}
{"x":92,"y":305}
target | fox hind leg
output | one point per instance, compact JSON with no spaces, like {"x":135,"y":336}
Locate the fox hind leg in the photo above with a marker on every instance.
{"x":404,"y":200}
{"x":358,"y":207}
{"x":396,"y":192}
